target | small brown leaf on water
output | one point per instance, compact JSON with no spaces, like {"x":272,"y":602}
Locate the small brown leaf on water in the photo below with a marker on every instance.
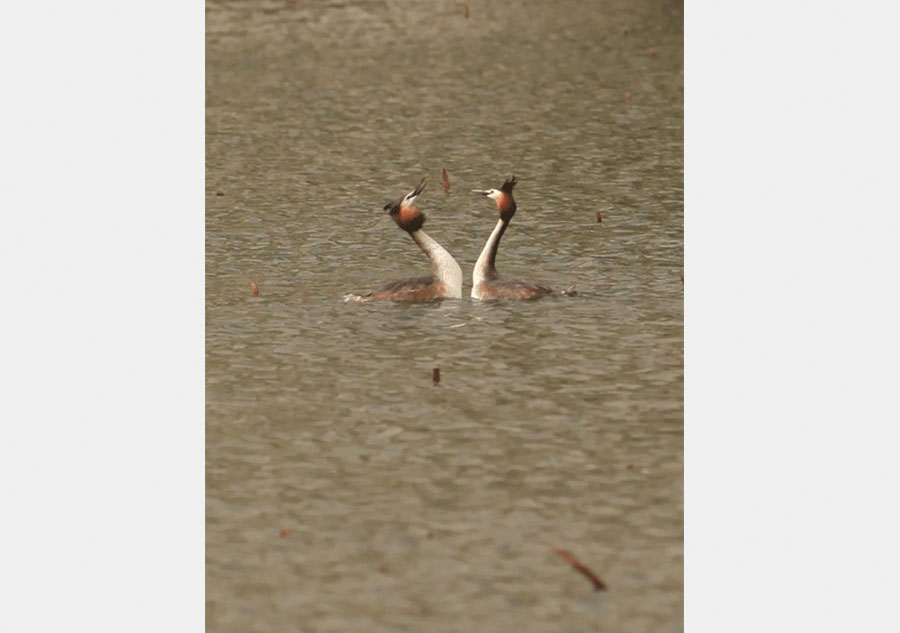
{"x":283,"y":532}
{"x":652,"y":53}
{"x":682,"y":276}
{"x":383,"y":568}
{"x":630,"y":466}
{"x":628,"y":97}
{"x":220,"y":193}
{"x":436,"y":375}
{"x":626,"y":31}
{"x":465,"y":10}
{"x":569,"y":557}
{"x":444,"y":180}
{"x":254,"y":287}
{"x":599,"y":217}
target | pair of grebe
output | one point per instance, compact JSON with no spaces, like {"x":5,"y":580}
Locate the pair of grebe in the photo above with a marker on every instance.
{"x":445,"y":281}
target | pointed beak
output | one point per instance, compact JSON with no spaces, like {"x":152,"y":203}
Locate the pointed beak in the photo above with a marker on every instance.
{"x":484,"y":193}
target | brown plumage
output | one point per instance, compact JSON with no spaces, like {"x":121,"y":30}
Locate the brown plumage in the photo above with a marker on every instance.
{"x":412,"y":289}
{"x":512,"y":290}
{"x":409,"y":219}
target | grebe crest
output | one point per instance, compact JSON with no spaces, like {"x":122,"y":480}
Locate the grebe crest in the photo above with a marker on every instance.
{"x":407,"y":216}
{"x":445,"y":282}
{"x":503,"y":198}
{"x":487,"y":284}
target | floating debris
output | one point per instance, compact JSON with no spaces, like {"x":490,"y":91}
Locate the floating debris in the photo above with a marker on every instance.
{"x":220,"y":193}
{"x":283,"y":532}
{"x":383,"y":568}
{"x":254,"y":287}
{"x":682,"y":276}
{"x":651,"y":52}
{"x":465,"y":10}
{"x":628,"y":97}
{"x":436,"y":375}
{"x":629,"y":466}
{"x":569,"y":557}
{"x":599,"y":217}
{"x":444,"y":180}
{"x":626,"y":31}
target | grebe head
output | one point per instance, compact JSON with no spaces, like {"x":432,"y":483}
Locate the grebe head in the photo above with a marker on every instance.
{"x":407,"y":217}
{"x":503,"y":197}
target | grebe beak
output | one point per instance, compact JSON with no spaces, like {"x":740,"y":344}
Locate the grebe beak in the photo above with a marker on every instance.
{"x":484,"y":193}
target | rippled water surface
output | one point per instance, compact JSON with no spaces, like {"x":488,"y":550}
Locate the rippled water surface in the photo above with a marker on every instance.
{"x":345,"y":491}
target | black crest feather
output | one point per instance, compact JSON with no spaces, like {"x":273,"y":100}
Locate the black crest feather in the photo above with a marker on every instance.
{"x":394,"y":206}
{"x":509,"y":184}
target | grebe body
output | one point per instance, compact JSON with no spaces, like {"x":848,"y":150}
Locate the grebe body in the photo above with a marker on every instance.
{"x":487,"y":284}
{"x":445,"y":280}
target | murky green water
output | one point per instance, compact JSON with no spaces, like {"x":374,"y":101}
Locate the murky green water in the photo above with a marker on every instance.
{"x":414,"y":507}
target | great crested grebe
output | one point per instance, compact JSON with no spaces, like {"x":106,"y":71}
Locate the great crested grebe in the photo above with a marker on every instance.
{"x":487,"y":284}
{"x":445,"y":280}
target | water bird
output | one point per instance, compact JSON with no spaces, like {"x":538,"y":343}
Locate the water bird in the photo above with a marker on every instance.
{"x":445,"y":280}
{"x":487,"y":284}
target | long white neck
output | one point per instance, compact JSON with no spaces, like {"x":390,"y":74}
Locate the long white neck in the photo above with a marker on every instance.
{"x":443,"y":266}
{"x":484,"y":266}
